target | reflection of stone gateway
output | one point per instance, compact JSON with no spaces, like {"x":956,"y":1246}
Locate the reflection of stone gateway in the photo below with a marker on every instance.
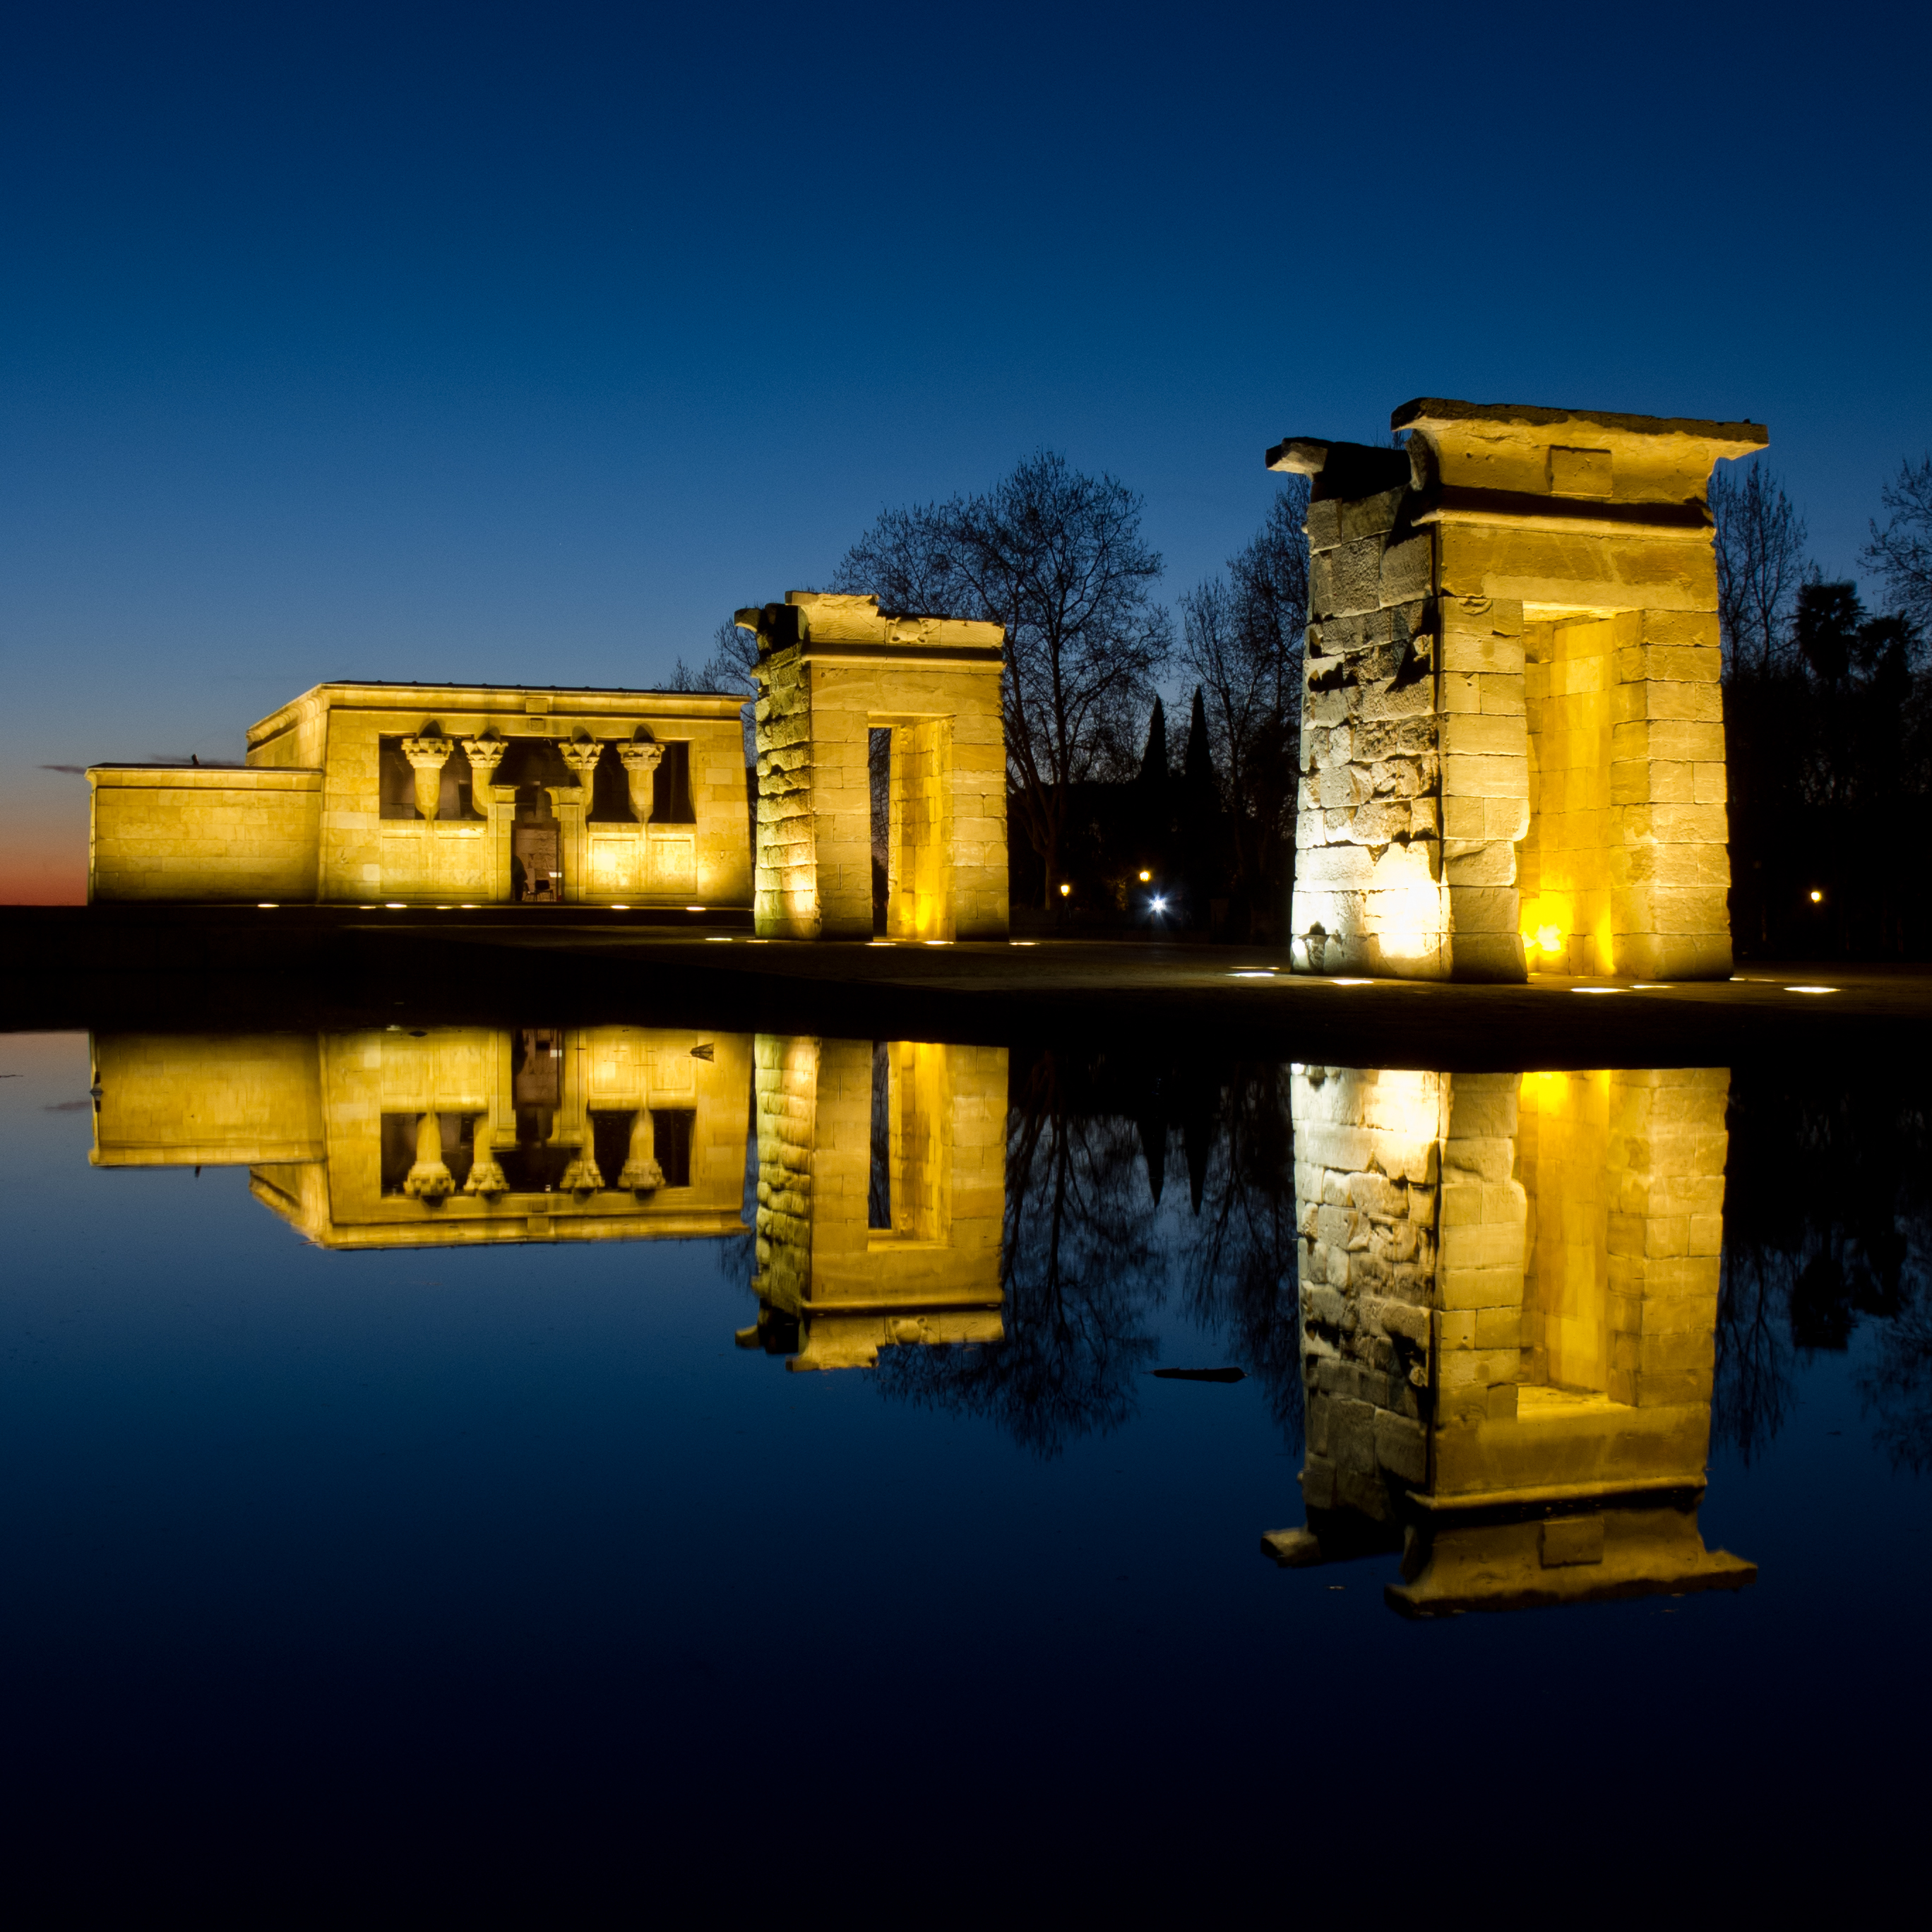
{"x":1509,"y":1289}
{"x":834,"y":1286}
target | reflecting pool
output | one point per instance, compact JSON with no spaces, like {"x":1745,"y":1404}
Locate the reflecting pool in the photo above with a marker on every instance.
{"x":412,"y":1465}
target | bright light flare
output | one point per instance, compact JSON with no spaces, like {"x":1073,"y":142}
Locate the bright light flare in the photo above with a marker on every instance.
{"x":1811,"y":989}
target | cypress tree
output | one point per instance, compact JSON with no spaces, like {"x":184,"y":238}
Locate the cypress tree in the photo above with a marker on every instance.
{"x":1198,"y":767}
{"x":1153,"y":760}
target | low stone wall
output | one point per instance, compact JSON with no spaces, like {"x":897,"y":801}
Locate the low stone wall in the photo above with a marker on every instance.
{"x":203,"y":833}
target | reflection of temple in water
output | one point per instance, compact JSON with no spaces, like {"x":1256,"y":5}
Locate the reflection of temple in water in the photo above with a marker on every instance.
{"x":446,"y":1135}
{"x":881,"y":1194}
{"x":1509,"y":1297}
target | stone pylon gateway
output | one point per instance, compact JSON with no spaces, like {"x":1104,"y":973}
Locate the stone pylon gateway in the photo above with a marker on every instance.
{"x":831,"y":671}
{"x":1512,"y":740}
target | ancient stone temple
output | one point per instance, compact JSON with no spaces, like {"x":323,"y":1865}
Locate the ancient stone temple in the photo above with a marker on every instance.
{"x":881,"y":1197}
{"x":464,"y":794}
{"x":1513,"y":740}
{"x":1508,"y":1302}
{"x":833,"y":670}
{"x":446,"y":1136}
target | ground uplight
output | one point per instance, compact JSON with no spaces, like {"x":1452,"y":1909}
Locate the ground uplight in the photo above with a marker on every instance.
{"x":1811,"y":989}
{"x":1596,"y":989}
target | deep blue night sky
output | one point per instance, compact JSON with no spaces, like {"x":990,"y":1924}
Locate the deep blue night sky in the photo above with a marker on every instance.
{"x":524,"y":343}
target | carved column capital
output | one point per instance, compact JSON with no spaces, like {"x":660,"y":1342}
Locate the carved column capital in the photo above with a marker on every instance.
{"x":484,"y":755}
{"x":428,"y":756}
{"x":640,"y":761}
{"x":581,"y":756}
{"x":429,"y":1179}
{"x":582,"y":1176}
{"x":486,"y":1176}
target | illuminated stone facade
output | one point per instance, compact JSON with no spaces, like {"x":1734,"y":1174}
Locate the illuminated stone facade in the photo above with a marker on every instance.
{"x":881,"y":1197}
{"x":445,"y":794}
{"x":452,"y":1137}
{"x":1512,"y":735}
{"x":831,"y":671}
{"x":1508,"y":1298}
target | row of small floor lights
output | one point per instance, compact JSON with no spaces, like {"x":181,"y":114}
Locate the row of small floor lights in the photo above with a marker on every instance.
{"x":1636,"y":986}
{"x":1248,"y":972}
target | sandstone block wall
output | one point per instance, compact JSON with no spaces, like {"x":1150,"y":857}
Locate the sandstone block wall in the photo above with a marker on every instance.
{"x":1369,"y":895}
{"x":203,"y":834}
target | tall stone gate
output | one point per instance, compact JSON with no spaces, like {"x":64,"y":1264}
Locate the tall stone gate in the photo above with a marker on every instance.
{"x":1512,"y":740}
{"x":832,"y":670}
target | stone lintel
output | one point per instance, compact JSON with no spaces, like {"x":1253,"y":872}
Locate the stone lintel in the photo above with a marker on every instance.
{"x":1444,"y":412}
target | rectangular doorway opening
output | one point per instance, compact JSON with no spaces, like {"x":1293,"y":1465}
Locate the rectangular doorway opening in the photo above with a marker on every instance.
{"x":878,"y":775}
{"x":1563,"y":863}
{"x":919,"y":837}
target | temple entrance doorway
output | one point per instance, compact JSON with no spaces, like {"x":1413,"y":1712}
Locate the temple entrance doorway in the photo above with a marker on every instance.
{"x":536,"y":849}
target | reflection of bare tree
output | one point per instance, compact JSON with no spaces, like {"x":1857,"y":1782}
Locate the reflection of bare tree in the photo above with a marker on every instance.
{"x":1752,"y":1393}
{"x":1080,"y":1266}
{"x":1239,"y":1257}
{"x":1896,"y":1392}
{"x":1828,"y":1218}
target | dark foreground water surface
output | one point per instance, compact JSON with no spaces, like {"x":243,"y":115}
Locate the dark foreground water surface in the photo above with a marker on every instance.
{"x":452,"y":1460}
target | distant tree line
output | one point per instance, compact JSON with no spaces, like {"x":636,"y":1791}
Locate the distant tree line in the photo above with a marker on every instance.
{"x":1828,"y":720}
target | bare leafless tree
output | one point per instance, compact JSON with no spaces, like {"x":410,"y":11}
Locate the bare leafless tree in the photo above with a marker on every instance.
{"x":1901,"y":553}
{"x":1760,"y":547}
{"x":728,"y":668}
{"x":1057,"y":559}
{"x":1242,"y":639}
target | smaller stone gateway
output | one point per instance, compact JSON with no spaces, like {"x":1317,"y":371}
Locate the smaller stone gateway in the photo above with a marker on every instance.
{"x":1513,"y":739}
{"x":831,"y":671}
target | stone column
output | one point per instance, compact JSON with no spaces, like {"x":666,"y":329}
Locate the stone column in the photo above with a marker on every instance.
{"x":640,"y":760}
{"x":641,"y":1172}
{"x":429,"y":1178}
{"x":427,"y":758}
{"x":572,"y":804}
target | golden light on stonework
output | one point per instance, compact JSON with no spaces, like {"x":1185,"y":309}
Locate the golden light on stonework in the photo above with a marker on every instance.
{"x":1550,"y":938}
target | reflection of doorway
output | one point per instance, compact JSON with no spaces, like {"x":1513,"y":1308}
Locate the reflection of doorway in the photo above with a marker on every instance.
{"x":536,"y":851}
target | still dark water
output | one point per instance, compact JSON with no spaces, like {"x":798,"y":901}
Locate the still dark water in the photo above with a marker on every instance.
{"x":633,"y":1525}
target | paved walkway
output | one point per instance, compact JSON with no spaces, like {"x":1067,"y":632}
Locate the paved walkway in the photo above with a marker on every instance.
{"x":174,"y":965}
